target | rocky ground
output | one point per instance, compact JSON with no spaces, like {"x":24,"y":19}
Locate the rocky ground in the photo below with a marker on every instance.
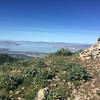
{"x":47,"y":78}
{"x":89,"y":90}
{"x":90,"y":59}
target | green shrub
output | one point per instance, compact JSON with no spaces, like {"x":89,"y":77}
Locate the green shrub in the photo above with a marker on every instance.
{"x":4,"y":97}
{"x":40,"y":76}
{"x":11,"y":82}
{"x":63,"y":52}
{"x":5,"y":67}
{"x":31,"y":72}
{"x":44,"y":75}
{"x":39,"y":62}
{"x":75,"y":72}
{"x":77,"y":83}
{"x":39,"y":73}
{"x":6,"y":58}
{"x":31,"y":94}
{"x":53,"y":69}
{"x":49,"y":95}
{"x":62,"y":93}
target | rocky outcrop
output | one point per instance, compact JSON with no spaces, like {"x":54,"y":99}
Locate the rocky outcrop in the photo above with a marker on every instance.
{"x":40,"y":94}
{"x":92,"y":52}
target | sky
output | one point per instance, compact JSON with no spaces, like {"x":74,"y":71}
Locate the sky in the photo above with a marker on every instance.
{"x":71,"y":21}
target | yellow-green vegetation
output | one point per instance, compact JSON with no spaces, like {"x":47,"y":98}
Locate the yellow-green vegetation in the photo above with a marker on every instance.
{"x":20,"y":78}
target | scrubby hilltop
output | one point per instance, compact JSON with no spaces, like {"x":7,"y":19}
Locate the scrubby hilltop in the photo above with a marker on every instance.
{"x":59,"y":76}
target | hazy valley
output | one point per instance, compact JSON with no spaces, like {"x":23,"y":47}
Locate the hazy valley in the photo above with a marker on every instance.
{"x":29,"y":49}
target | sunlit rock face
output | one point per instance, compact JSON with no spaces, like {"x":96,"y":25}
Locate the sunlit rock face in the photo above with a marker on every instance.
{"x":92,"y":52}
{"x":40,"y":95}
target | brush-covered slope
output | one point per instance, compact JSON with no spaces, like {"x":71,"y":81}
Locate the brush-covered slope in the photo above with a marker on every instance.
{"x":59,"y":76}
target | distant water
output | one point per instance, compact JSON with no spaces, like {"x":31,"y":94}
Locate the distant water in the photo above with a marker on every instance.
{"x":41,"y":48}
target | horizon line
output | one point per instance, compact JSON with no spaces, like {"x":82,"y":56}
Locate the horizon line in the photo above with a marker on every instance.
{"x":45,"y":41}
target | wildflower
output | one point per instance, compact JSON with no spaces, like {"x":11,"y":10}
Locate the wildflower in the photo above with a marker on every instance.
{"x":11,"y":92}
{"x":10,"y":95}
{"x":54,"y":96}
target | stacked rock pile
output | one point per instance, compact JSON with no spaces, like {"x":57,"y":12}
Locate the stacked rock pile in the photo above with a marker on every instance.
{"x":92,"y":52}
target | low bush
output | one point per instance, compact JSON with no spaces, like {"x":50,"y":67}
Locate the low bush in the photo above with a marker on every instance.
{"x":5,"y":67}
{"x":49,"y":95}
{"x":40,"y":76}
{"x":63,"y":52}
{"x":31,"y":94}
{"x":44,"y":75}
{"x":31,"y":72}
{"x":39,"y":62}
{"x":62,"y":93}
{"x":4,"y":97}
{"x":76,"y":72}
{"x":6,"y":58}
{"x":11,"y":82}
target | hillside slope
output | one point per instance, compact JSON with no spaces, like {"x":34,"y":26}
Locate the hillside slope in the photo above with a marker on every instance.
{"x":59,"y":76}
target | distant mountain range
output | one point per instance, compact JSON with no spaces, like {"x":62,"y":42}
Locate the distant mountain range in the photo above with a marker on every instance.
{"x":74,"y":46}
{"x":6,"y":43}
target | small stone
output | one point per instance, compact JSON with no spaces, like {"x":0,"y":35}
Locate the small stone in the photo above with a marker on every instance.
{"x":22,"y":88}
{"x":55,"y":85}
{"x":17,"y":92}
{"x":19,"y":98}
{"x":11,"y":92}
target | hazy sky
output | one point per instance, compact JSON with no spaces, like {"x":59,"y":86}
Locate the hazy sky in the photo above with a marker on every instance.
{"x":50,"y":20}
